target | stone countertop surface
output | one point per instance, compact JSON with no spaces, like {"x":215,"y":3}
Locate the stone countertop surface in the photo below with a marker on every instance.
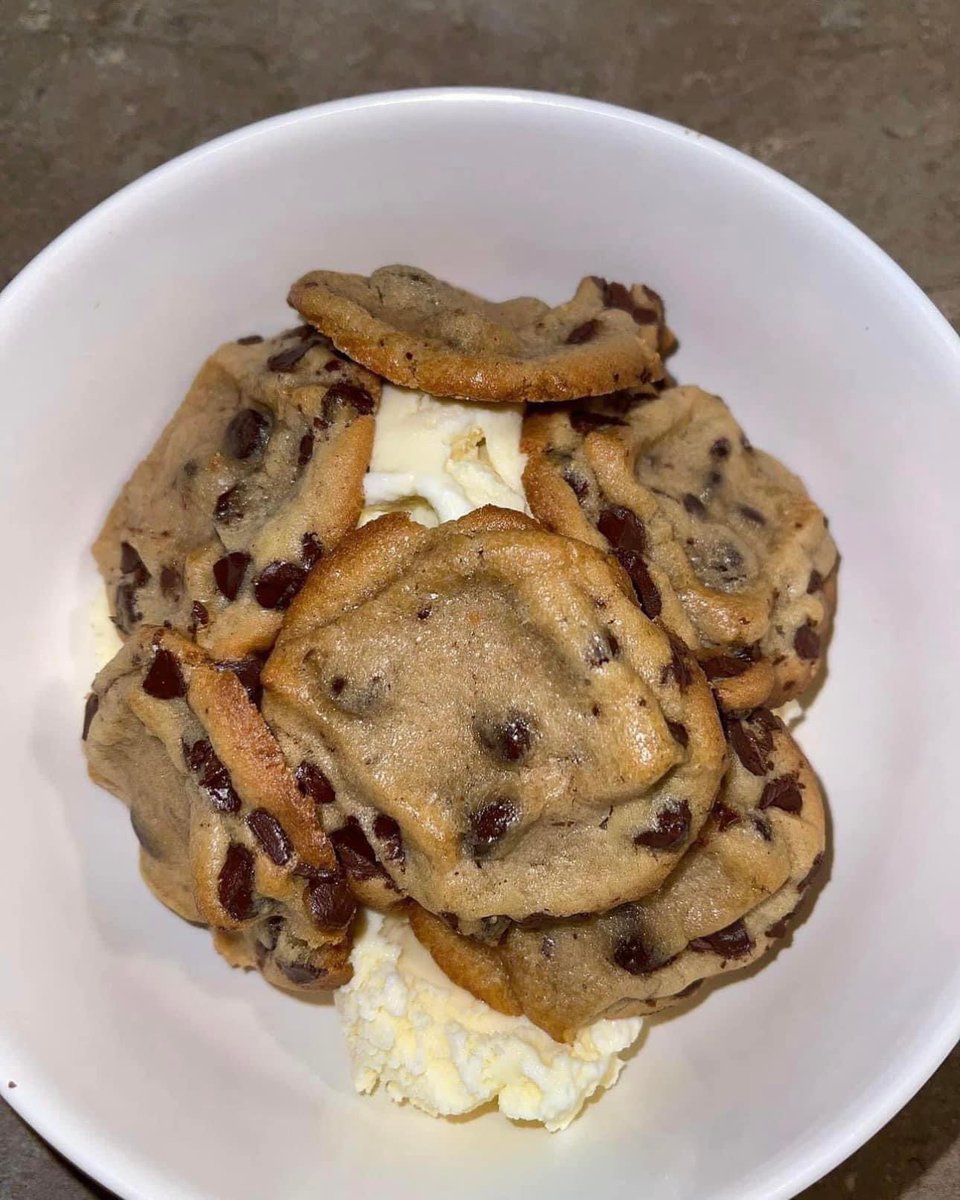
{"x":858,"y":100}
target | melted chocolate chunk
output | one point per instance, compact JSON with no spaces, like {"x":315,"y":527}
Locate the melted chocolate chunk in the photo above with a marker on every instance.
{"x":348,"y":396}
{"x":811,"y":874}
{"x":616,"y":295}
{"x":814,"y":583}
{"x":311,"y":550}
{"x":277,"y":584}
{"x":247,"y":670}
{"x":720,"y":448}
{"x":679,"y":733}
{"x":746,"y":746}
{"x":724,"y":666}
{"x":732,"y":942}
{"x":229,"y":505}
{"x":623,"y":529}
{"x":783,"y":793}
{"x":508,"y":740}
{"x":670,"y":830}
{"x":387,"y":832}
{"x":806,"y":642}
{"x":199,"y":617}
{"x":678,"y":668}
{"x":489,"y":823}
{"x":246,"y":434}
{"x":164,"y":680}
{"x":694,"y":506}
{"x":301,"y":973}
{"x":235,"y":882}
{"x":647,"y":592}
{"x":354,"y":851}
{"x":214,"y":778}
{"x":749,"y":513}
{"x":171,"y":583}
{"x":632,"y":955}
{"x":89,"y":712}
{"x":286,"y":360}
{"x":724,"y":816}
{"x":583,"y":333}
{"x":228,"y":573}
{"x":305,"y":451}
{"x":330,"y":900}
{"x":251,"y":339}
{"x":271,"y":835}
{"x":312,"y":782}
{"x":762,"y":826}
{"x":133,"y":565}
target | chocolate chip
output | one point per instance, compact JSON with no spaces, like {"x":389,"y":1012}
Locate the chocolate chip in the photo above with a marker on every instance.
{"x":670,"y":830}
{"x":246,"y":434}
{"x":277,"y":584}
{"x":89,"y":712}
{"x":647,"y":592}
{"x":679,"y":733}
{"x":814,"y":583}
{"x":724,"y":666}
{"x":164,"y":680}
{"x":305,"y":451}
{"x":387,"y":831}
{"x":724,"y":816}
{"x":311,"y":550}
{"x":346,"y":395}
{"x":806,"y":642}
{"x":783,"y":792}
{"x":424,"y":612}
{"x":720,"y":448}
{"x":271,"y":835}
{"x":128,"y":613}
{"x":489,"y":824}
{"x":694,"y":506}
{"x":615,"y":295}
{"x":235,"y":882}
{"x":583,"y":333}
{"x":330,"y":900}
{"x":632,"y":955}
{"x":171,"y":583}
{"x":302,"y":974}
{"x":303,"y":332}
{"x":132,"y":564}
{"x":286,"y":360}
{"x":312,"y":782}
{"x":250,"y":340}
{"x":333,"y":364}
{"x":584,"y":422}
{"x":745,"y":744}
{"x":623,"y":529}
{"x":508,"y":740}
{"x":732,"y":942}
{"x":779,"y":928}
{"x":214,"y":778}
{"x":228,"y":573}
{"x":809,"y":877}
{"x":577,"y":483}
{"x":762,"y":826}
{"x":752,"y":514}
{"x":678,"y":668}
{"x":354,"y":851}
{"x":768,"y":721}
{"x":337,"y":684}
{"x":229,"y":505}
{"x":199,"y":617}
{"x":247,"y":670}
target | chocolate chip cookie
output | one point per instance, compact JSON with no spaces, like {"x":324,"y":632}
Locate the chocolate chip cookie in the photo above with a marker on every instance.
{"x":728,"y":900}
{"x":720,"y":540}
{"x":258,"y":474}
{"x":507,"y":730}
{"x":226,"y":837}
{"x":418,"y":331}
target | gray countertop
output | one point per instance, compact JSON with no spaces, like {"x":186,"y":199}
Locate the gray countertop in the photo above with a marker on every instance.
{"x":859,"y":100}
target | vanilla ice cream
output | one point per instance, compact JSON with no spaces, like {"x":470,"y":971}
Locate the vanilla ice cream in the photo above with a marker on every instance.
{"x":432,"y":1043}
{"x":439,"y":459}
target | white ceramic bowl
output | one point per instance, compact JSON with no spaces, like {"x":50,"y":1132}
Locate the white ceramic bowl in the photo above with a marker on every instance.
{"x":134,"y":1049}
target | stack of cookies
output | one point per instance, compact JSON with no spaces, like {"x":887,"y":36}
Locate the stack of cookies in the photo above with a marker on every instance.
{"x":548,"y":739}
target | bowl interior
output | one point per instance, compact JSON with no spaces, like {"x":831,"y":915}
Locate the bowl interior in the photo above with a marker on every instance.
{"x":133,"y":1046}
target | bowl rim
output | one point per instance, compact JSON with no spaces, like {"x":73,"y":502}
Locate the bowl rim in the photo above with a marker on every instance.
{"x":913,"y":1063}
